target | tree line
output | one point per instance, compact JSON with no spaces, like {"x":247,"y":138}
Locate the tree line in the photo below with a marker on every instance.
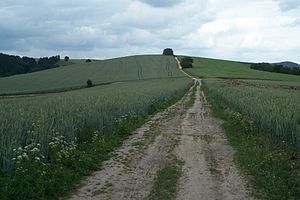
{"x":275,"y":68}
{"x":11,"y":65}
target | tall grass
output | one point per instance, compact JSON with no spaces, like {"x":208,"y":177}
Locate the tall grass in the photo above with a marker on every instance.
{"x":274,"y":111}
{"x":272,"y":169}
{"x":36,"y":120}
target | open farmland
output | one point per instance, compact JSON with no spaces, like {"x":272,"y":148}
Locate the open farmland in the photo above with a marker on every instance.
{"x":274,"y":110}
{"x":63,"y":136}
{"x":270,"y":99}
{"x":65,"y":130}
{"x":214,"y":68}
{"x":99,"y":72}
{"x":262,"y":122}
{"x":136,"y":83}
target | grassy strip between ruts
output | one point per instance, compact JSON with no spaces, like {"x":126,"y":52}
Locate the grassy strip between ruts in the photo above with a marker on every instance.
{"x":165,"y":184}
{"x":273,"y":169}
{"x":35,"y":181}
{"x":192,"y":99}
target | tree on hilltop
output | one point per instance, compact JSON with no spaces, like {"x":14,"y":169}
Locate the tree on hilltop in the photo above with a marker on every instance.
{"x":67,"y":58}
{"x":168,"y":52}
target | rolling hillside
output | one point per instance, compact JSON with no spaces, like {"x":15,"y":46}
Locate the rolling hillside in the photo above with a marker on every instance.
{"x":55,"y":140}
{"x":106,"y":71}
{"x":214,"y":68}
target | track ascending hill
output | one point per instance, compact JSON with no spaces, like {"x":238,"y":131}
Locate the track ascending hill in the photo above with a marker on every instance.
{"x":104,"y":71}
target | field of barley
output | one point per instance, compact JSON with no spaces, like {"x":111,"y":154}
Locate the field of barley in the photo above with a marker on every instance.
{"x":262,"y":122}
{"x":273,"y":106}
{"x":63,"y":129}
{"x":54,"y":129}
{"x":70,"y":112}
{"x":271,"y":100}
{"x":99,"y":72}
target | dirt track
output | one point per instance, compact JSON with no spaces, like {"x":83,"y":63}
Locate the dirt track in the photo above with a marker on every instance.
{"x":193,"y":136}
{"x":209,"y":169}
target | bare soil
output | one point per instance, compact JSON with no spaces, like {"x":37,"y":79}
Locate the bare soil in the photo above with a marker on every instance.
{"x":193,"y":136}
{"x":239,"y":83}
{"x":210,"y":172}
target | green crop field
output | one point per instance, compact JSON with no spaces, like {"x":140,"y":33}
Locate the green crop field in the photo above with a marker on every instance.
{"x":106,"y":71}
{"x":213,"y":68}
{"x":69,"y":112}
{"x":63,"y":129}
{"x":261,"y":114}
{"x":137,"y":82}
{"x":271,"y":100}
{"x":274,"y":110}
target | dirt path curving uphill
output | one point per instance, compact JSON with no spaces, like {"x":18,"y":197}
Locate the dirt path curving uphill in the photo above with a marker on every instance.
{"x":193,"y":136}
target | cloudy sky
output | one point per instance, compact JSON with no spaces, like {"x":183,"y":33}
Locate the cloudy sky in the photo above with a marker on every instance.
{"x":257,"y":30}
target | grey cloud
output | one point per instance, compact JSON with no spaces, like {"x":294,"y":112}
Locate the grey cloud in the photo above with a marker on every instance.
{"x":105,"y":28}
{"x":286,"y":5}
{"x":98,"y":24}
{"x":54,"y":25}
{"x":297,"y":21}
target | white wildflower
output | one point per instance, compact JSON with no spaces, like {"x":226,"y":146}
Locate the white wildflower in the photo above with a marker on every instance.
{"x":35,"y":149}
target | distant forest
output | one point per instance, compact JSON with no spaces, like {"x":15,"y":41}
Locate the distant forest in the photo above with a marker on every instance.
{"x":275,"y":68}
{"x":11,"y":65}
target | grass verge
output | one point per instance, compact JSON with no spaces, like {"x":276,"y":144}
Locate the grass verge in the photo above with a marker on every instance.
{"x":273,"y":169}
{"x":37,"y":180}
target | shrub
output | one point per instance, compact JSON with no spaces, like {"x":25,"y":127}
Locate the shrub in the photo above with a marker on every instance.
{"x":88,"y":60}
{"x":187,"y":62}
{"x":89,"y":83}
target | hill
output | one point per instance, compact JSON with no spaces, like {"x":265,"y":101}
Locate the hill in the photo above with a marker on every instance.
{"x":214,"y":68}
{"x":100,"y":72}
{"x":287,"y":64}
